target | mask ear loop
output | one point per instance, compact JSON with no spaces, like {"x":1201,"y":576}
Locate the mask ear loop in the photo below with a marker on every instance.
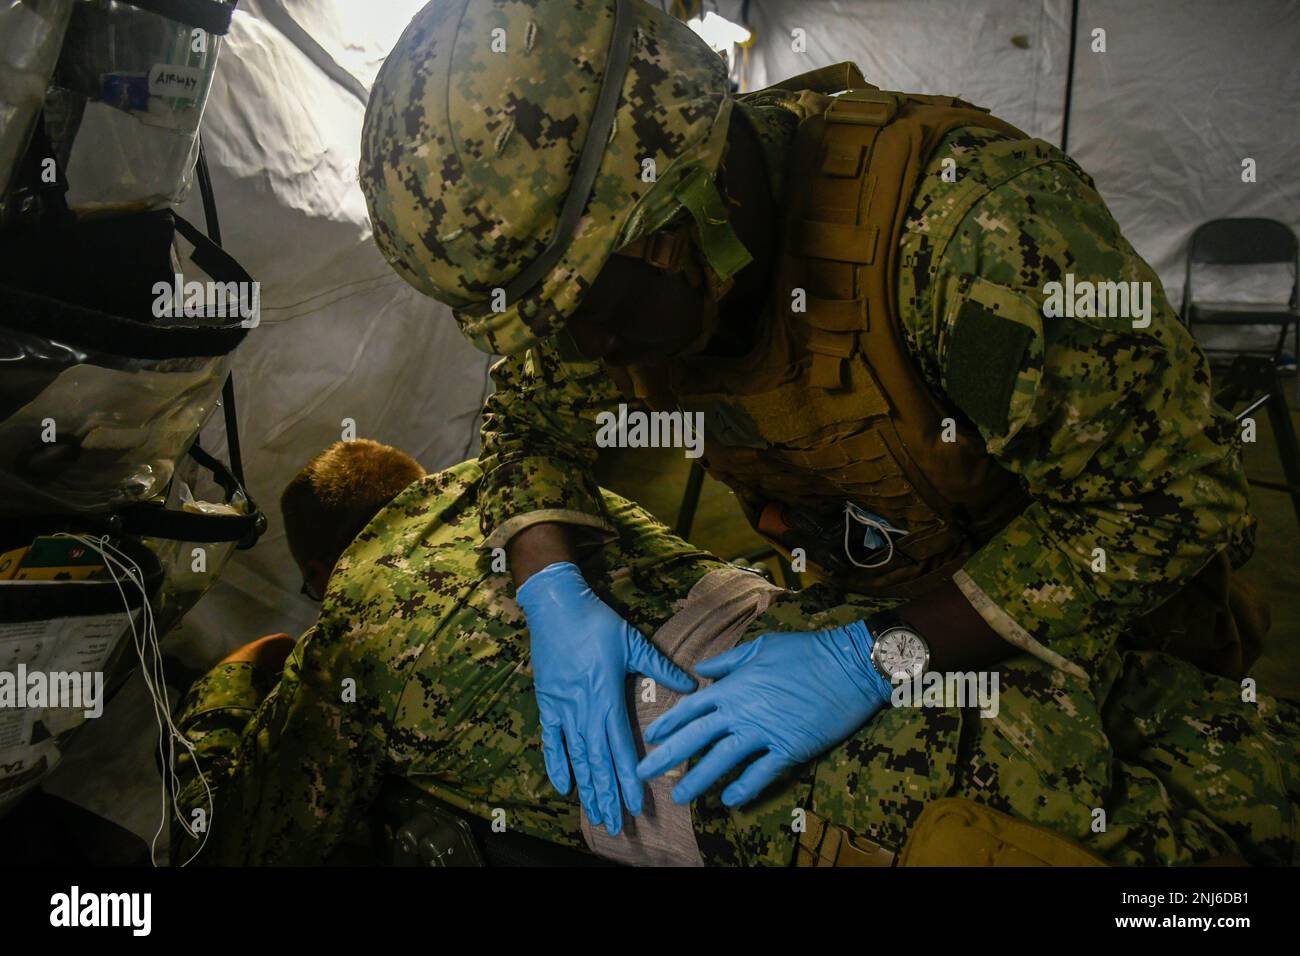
{"x":851,"y":511}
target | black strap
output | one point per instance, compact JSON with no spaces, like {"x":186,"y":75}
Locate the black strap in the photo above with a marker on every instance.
{"x":155,"y":521}
{"x":218,"y":258}
{"x":232,"y":428}
{"x":222,"y":475}
{"x":116,"y":335}
{"x":208,"y":197}
{"x":209,"y":256}
{"x":593,"y":151}
{"x":32,"y":198}
{"x":211,"y":15}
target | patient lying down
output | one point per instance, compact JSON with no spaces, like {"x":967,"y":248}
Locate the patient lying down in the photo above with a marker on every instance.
{"x":418,"y":669}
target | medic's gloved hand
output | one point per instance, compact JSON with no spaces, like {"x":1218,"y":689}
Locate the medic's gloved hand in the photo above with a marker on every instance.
{"x":791,"y":695}
{"x":582,"y":652}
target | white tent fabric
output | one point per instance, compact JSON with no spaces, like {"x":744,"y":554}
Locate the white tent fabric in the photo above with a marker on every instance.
{"x":1185,"y":90}
{"x":342,"y":337}
{"x":942,"y":46}
{"x":1165,"y":117}
{"x":1162,"y":121}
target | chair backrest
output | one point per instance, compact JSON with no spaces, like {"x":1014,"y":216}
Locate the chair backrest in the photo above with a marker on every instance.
{"x":1242,"y":242}
{"x":1235,"y":242}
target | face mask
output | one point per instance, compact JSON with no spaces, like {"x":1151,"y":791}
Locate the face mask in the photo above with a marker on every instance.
{"x":675,"y":250}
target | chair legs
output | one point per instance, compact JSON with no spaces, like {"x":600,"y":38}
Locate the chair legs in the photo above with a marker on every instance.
{"x":1284,"y":434}
{"x":690,"y":501}
{"x":1295,"y":352}
{"x":1244,"y":380}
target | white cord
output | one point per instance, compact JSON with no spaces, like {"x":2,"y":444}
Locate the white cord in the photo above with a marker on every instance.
{"x":151,"y":669}
{"x":853,"y":513}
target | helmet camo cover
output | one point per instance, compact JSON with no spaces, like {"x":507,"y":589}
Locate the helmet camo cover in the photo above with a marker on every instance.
{"x":475,"y":131}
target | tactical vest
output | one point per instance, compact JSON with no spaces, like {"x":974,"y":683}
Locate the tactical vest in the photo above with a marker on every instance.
{"x":829,"y":406}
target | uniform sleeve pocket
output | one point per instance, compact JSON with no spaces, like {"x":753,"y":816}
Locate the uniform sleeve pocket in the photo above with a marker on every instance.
{"x":992,"y":350}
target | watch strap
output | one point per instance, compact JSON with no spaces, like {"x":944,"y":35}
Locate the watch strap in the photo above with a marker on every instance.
{"x":881,"y":623}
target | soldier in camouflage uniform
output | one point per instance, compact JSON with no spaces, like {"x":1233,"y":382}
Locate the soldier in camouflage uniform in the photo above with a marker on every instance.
{"x":438,"y":651}
{"x":1106,"y":426}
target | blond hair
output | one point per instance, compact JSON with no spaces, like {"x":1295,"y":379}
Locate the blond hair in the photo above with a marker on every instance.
{"x":339,"y":492}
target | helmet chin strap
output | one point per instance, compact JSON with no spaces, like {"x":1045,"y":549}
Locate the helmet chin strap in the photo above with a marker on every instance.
{"x":711,"y":313}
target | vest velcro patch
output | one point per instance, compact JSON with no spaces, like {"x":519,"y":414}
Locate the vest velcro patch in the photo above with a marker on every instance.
{"x":984,"y":359}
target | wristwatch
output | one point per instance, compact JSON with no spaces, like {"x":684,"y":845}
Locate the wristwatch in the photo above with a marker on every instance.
{"x":898,"y":652}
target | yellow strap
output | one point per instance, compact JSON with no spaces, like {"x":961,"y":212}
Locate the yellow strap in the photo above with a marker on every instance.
{"x":826,"y":371}
{"x":826,"y":79}
{"x":839,"y":241}
{"x":837,"y":315}
{"x":826,"y":844}
{"x":664,"y":249}
{"x":838,"y":344}
{"x":869,"y":107}
{"x":955,"y":831}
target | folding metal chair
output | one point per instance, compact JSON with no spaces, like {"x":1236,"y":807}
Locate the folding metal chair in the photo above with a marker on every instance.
{"x":1243,"y":242}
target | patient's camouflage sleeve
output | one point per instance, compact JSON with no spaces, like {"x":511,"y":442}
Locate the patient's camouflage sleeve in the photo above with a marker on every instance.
{"x":287,"y":768}
{"x":1155,"y":763}
{"x":1135,"y":473}
{"x":436,"y":651}
{"x":212,"y":716}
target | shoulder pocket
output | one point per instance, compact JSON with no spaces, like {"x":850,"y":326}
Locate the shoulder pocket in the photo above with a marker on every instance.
{"x":992,"y":346}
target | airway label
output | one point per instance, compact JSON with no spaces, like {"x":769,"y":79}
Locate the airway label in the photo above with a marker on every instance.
{"x":176,"y":81}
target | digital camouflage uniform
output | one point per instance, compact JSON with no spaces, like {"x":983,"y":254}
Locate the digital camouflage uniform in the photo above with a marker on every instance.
{"x":1110,"y":427}
{"x":439,"y":655}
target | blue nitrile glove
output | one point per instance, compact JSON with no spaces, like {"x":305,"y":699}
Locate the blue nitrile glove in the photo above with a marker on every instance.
{"x":791,"y":695}
{"x":582,"y":652}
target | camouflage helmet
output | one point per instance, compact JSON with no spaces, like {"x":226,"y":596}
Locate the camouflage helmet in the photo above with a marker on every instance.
{"x":506,"y":146}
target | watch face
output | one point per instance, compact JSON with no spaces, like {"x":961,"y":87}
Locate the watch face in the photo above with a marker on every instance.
{"x":902,"y":655}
